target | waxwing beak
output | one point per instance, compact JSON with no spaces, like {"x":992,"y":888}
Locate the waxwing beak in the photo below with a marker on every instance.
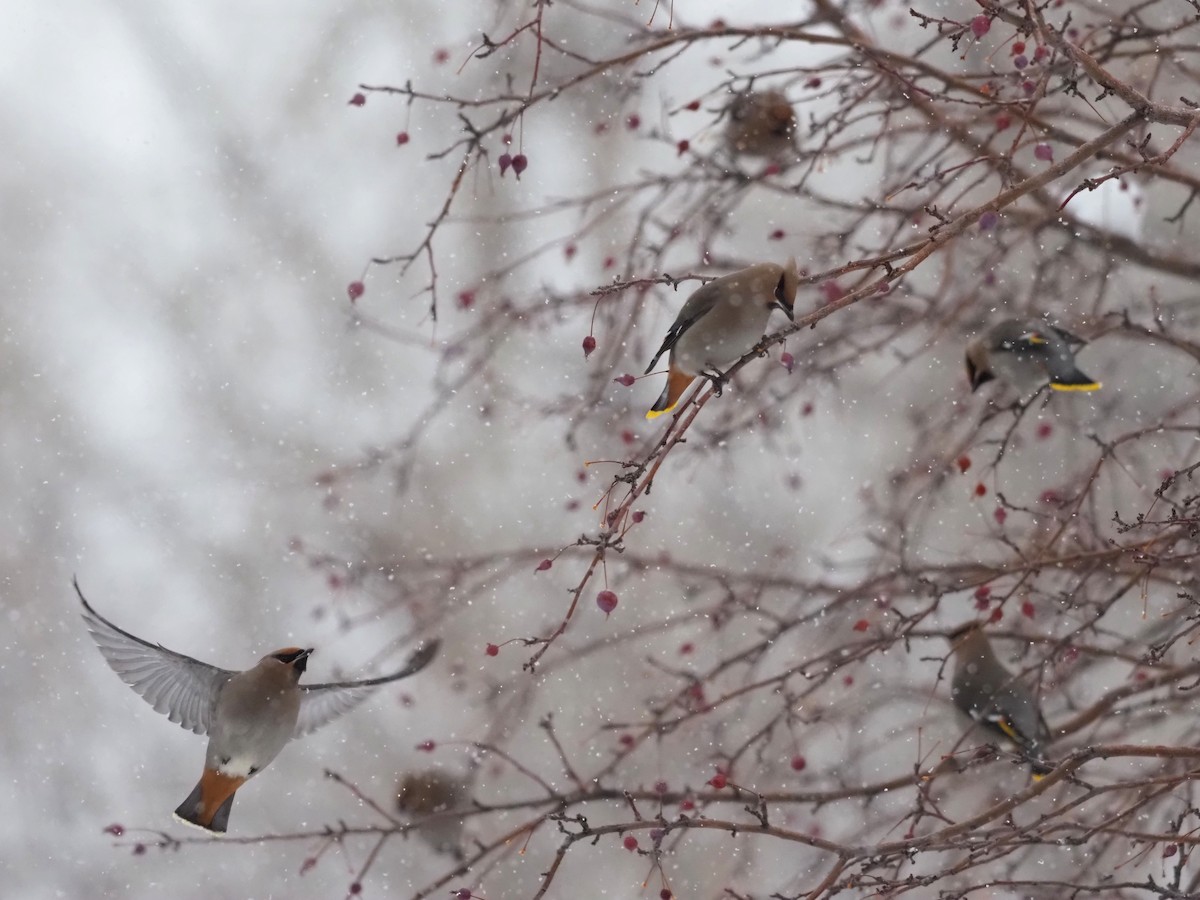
{"x":297,"y":659}
{"x":785,"y":300}
{"x":977,"y":377}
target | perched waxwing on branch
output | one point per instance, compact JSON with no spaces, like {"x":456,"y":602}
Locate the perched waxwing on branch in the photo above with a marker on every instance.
{"x":248,"y":715}
{"x":719,"y":322}
{"x":429,"y":798}
{"x":993,"y":697}
{"x":762,"y":123}
{"x":1027,"y":353}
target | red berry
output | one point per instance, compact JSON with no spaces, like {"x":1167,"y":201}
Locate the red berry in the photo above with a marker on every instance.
{"x":630,"y":842}
{"x":831,"y":291}
{"x":997,"y":614}
{"x":1000,"y":515}
{"x":638,"y":516}
{"x":355,"y":290}
{"x":358,"y":99}
{"x":632,"y":121}
{"x":1170,"y":850}
{"x":466,"y":299}
{"x":1003,"y":122}
{"x":401,"y":138}
{"x":787,"y":361}
{"x":626,"y":740}
{"x":980,"y":490}
{"x":660,"y":787}
{"x":609,"y":262}
{"x":1044,"y":430}
{"x":427,"y":746}
{"x":814,"y":82}
{"x":664,"y":894}
{"x":356,"y":887}
{"x":983,"y":592}
{"x":718,"y":781}
{"x":862,"y":625}
{"x":625,"y":380}
{"x":1018,"y":47}
{"x":115,"y":830}
{"x":569,"y":251}
{"x":139,"y":849}
{"x":607,"y":601}
{"x":628,"y":437}
{"x":520,"y":163}
{"x":440,"y":55}
{"x":963,"y":463}
{"x":463,"y":894}
{"x":544,"y":565}
{"x":589,"y":344}
{"x":686,"y":648}
{"x":682,"y":147}
{"x":492,"y":650}
{"x":1027,"y":609}
{"x":806,"y":409}
{"x":799,"y":763}
{"x":980,"y":25}
{"x":777,"y":235}
{"x":687,"y":805}
{"x":1044,"y":152}
{"x":693,"y":106}
{"x":505,"y":161}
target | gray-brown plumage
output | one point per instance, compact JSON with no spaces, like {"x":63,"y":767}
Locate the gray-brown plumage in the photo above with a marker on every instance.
{"x":719,"y":322}
{"x":249,"y":716}
{"x":762,"y":123}
{"x":1027,"y":353}
{"x":429,"y":798}
{"x":987,"y":692}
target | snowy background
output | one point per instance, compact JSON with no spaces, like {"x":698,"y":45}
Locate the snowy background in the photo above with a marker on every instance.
{"x":187,"y":194}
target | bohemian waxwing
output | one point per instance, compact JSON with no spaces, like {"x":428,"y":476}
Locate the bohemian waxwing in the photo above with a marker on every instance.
{"x":248,"y":715}
{"x":993,"y":697}
{"x":721,"y":321}
{"x":430,"y":799}
{"x":1027,"y":353}
{"x":762,"y":123}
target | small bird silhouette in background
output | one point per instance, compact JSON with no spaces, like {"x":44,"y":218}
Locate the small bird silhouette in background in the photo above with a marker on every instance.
{"x":719,"y":323}
{"x":248,"y":716}
{"x":993,"y":697}
{"x":762,"y":123}
{"x":1027,"y":354}
{"x":430,"y":798}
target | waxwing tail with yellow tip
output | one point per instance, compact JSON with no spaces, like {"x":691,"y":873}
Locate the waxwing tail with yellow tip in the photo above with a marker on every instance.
{"x":677,"y":383}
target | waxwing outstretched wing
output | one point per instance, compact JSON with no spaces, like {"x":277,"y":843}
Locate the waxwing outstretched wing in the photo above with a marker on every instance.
{"x":987,"y":692}
{"x":1027,"y":354}
{"x":721,"y":321}
{"x":248,"y":716}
